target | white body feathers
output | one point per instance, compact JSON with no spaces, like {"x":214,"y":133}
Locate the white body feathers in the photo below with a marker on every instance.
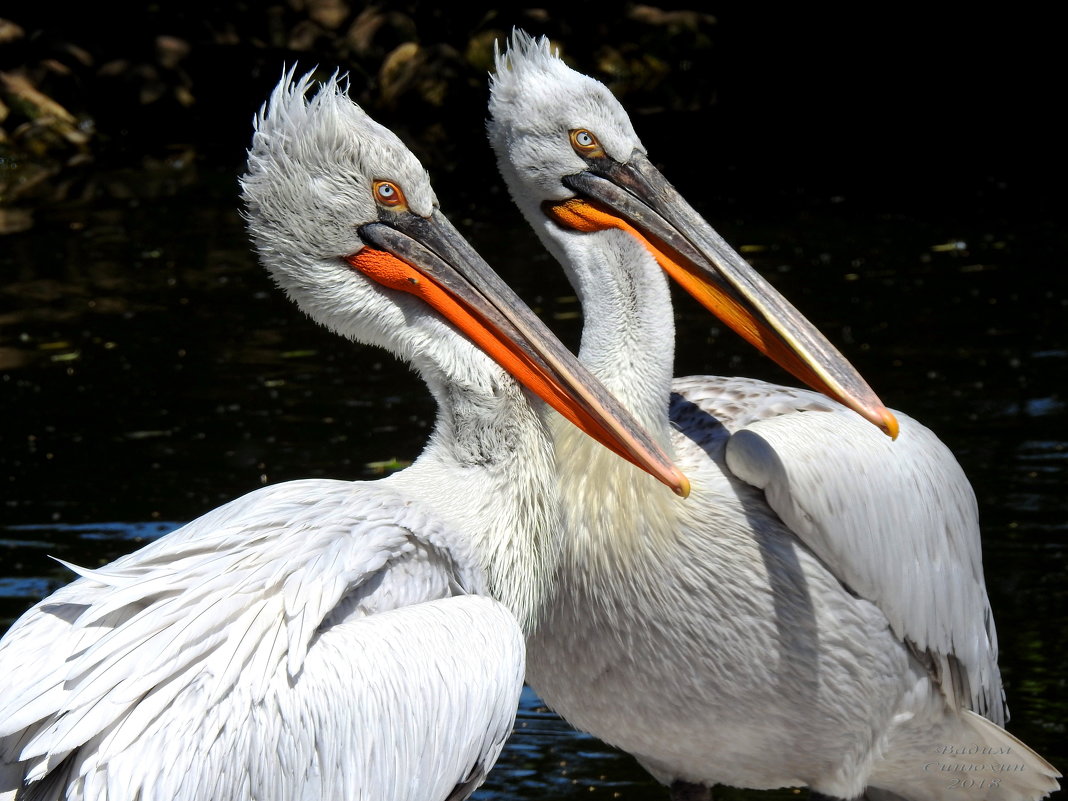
{"x":299,"y":642}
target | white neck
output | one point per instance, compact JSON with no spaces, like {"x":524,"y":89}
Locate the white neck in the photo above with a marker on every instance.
{"x":488,"y":470}
{"x":614,"y":512}
{"x":628,"y":333}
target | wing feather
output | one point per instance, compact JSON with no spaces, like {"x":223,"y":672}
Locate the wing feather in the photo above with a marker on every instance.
{"x":894,"y":521}
{"x":227,"y":623}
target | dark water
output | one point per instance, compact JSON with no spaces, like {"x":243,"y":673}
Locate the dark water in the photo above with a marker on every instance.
{"x":149,"y":372}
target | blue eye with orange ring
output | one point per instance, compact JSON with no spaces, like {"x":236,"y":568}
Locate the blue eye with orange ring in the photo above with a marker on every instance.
{"x":388,"y":194}
{"x":586,"y":144}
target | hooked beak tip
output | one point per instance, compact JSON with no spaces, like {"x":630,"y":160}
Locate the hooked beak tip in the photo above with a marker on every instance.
{"x":888,"y":423}
{"x":682,"y":486}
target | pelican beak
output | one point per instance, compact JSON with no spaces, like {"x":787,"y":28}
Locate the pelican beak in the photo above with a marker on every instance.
{"x":636,"y":197}
{"x":428,"y":258}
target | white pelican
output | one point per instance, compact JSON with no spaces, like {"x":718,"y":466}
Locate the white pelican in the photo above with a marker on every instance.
{"x":327,"y":639}
{"x":815,"y":614}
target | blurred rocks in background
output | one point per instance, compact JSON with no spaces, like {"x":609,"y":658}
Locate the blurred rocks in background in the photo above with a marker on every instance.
{"x":178,"y":81}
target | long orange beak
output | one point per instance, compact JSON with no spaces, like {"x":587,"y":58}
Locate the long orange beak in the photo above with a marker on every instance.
{"x":636,"y":198}
{"x":428,"y":258}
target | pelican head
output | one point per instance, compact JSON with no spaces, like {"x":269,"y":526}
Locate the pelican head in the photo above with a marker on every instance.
{"x":344,"y":218}
{"x":574,"y":165}
{"x":319,"y":171}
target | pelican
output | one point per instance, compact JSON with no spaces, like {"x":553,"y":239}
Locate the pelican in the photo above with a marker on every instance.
{"x":328,"y":639}
{"x":815,"y":614}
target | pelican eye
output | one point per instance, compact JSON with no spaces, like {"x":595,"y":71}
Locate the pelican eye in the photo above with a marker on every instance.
{"x":388,"y":194}
{"x":586,"y":144}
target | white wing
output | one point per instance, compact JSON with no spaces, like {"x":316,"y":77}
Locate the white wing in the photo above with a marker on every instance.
{"x":299,"y":642}
{"x":895,"y":521}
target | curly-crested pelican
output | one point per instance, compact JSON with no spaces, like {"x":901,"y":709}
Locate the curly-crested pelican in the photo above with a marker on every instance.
{"x":328,"y":639}
{"x":815,"y":614}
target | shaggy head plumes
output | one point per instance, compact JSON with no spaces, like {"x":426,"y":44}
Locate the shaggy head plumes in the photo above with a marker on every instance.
{"x":311,"y":165}
{"x":536,"y":100}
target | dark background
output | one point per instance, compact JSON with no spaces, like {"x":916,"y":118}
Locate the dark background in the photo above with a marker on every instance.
{"x":898,"y":104}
